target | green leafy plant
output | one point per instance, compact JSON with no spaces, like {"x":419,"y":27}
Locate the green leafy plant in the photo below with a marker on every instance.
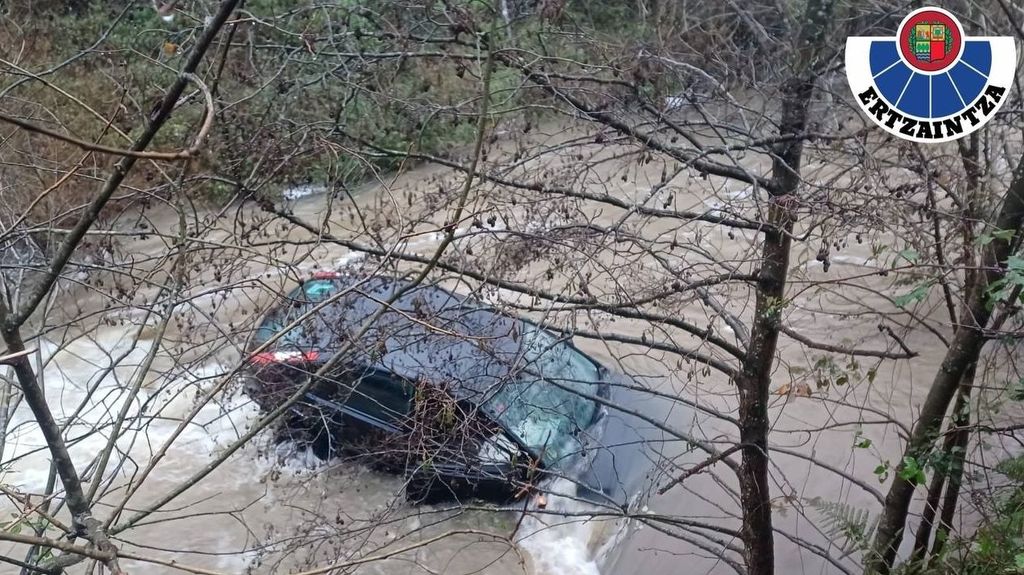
{"x":827,"y":372}
{"x":1013,"y":279}
{"x":861,"y":442}
{"x":882,"y":471}
{"x":919,"y":293}
{"x":912,"y":470}
{"x":910,"y":255}
{"x":851,"y":528}
{"x":997,"y":546}
{"x":987,"y":238}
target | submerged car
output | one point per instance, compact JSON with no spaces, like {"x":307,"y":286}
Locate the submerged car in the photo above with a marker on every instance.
{"x":462,"y":399}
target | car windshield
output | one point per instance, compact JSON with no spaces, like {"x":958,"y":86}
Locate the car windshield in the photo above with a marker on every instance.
{"x":542,"y":405}
{"x":310,"y":335}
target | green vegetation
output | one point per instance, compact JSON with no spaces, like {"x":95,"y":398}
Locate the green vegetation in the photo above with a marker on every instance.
{"x":997,"y":547}
{"x":849,"y":527}
{"x":300,"y":83}
{"x":998,"y":544}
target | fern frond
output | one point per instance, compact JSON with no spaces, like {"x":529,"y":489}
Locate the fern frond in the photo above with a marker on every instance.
{"x":851,"y":528}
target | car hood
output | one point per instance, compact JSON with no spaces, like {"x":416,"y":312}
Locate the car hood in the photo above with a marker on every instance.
{"x":623,"y":454}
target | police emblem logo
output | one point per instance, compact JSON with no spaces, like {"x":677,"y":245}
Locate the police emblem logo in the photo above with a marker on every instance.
{"x":930,"y":83}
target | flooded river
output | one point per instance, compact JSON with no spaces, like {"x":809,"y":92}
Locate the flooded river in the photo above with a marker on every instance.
{"x":272,"y":508}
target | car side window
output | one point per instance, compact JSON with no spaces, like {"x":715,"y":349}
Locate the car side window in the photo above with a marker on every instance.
{"x":381,"y":397}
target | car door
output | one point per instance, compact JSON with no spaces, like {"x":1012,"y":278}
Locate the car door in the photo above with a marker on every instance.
{"x":380,"y":401}
{"x":368,"y":409}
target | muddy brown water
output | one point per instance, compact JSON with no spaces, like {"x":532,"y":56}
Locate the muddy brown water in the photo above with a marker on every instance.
{"x":272,"y":508}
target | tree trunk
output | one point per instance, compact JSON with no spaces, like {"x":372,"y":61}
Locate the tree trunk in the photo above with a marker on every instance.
{"x":755,"y":378}
{"x":931,"y":507}
{"x":962,"y":418}
{"x":954,"y":435}
{"x":962,"y":353}
{"x":755,"y":495}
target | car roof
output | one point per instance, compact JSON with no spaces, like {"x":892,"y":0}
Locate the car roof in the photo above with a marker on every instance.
{"x":428,"y":333}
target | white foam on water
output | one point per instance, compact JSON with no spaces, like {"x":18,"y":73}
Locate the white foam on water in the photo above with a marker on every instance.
{"x":349,"y":258}
{"x":674,"y":103}
{"x":741,"y":194}
{"x":571,"y":544}
{"x":849,"y":260}
{"x":558,"y":544}
{"x":69,"y":375}
{"x":298,"y":192}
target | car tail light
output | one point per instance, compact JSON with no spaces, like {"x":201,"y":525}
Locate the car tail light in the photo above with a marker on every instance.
{"x":326,"y":275}
{"x":269,"y":357}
